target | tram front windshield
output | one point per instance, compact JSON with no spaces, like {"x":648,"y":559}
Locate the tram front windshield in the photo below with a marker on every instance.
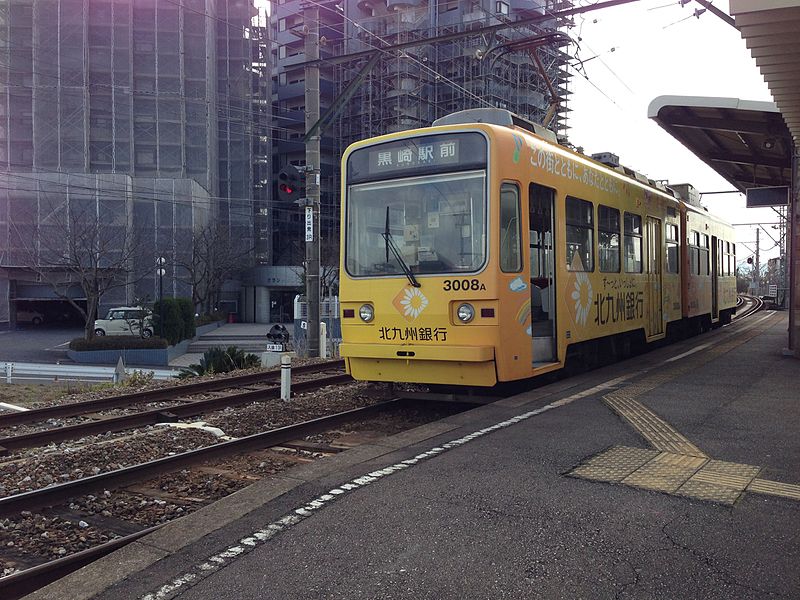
{"x":437,"y":224}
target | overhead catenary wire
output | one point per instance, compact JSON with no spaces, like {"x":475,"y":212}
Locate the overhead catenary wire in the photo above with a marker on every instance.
{"x":201,"y":202}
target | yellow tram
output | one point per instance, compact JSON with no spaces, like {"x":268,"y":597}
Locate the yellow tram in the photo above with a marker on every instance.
{"x":479,"y":251}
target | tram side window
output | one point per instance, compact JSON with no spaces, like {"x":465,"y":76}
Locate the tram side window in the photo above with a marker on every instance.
{"x":633,"y":243}
{"x":704,"y":252}
{"x":541,"y":232}
{"x":694,"y":253}
{"x":580,"y":232}
{"x":673,"y":255}
{"x":510,"y":246}
{"x":732,"y":259}
{"x":608,"y":239}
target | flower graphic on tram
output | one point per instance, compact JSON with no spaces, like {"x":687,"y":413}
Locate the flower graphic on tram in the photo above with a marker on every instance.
{"x":410,"y":302}
{"x":582,"y":295}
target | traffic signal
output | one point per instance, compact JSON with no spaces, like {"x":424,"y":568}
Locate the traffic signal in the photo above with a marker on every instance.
{"x":291,"y":184}
{"x":749,"y":260}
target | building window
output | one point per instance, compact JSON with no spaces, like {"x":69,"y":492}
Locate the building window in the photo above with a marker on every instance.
{"x":633,"y":243}
{"x":580,"y":234}
{"x":608,"y":239}
{"x":448,"y":5}
{"x":501,"y":8}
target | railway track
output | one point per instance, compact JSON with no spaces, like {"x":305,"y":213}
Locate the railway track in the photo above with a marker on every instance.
{"x":747,"y":305}
{"x":69,"y":499}
{"x":56,"y":494}
{"x":159,"y":395}
{"x":158,"y":415}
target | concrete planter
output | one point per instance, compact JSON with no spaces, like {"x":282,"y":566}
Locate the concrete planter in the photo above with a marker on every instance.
{"x":150,"y":357}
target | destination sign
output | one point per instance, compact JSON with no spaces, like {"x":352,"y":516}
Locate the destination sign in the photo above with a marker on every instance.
{"x":423,"y":154}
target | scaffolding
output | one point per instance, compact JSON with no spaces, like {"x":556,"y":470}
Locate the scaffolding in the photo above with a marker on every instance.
{"x":521,"y":68}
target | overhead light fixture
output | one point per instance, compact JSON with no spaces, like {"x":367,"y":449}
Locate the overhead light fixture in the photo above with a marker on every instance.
{"x":768,"y":144}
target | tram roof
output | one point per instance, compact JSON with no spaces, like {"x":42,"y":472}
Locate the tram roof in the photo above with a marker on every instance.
{"x":746,"y":142}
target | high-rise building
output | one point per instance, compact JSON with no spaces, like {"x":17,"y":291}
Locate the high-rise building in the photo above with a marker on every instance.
{"x":141,"y":110}
{"x":522,"y":68}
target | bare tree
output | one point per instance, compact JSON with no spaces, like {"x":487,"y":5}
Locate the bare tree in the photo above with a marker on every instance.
{"x":328,"y":268}
{"x":71,"y":246}
{"x":214,"y":256}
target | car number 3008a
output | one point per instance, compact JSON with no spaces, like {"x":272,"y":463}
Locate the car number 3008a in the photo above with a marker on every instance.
{"x":462,"y":285}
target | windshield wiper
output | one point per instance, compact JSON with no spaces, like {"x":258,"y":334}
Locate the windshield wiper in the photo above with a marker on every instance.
{"x":390,"y":245}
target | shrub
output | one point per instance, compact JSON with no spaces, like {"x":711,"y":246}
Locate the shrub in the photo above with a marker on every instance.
{"x":186,"y":310}
{"x":172,"y":328}
{"x":118,"y":342}
{"x":178,"y":319}
{"x":219,"y":360}
{"x":138,"y":379}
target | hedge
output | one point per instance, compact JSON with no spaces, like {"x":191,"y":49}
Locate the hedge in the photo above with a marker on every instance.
{"x":118,"y":342}
{"x":186,"y":309}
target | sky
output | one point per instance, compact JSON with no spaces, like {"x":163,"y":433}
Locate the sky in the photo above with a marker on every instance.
{"x":659,"y":51}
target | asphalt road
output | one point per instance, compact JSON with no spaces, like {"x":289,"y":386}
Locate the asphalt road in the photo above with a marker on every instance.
{"x":37,"y":344}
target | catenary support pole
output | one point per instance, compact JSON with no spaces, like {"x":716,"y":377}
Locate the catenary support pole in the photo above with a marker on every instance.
{"x":311,"y":28}
{"x":793,"y":253}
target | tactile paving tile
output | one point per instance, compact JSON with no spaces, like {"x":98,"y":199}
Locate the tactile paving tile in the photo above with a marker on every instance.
{"x":666,"y":472}
{"x":719,"y":481}
{"x":775,"y":488}
{"x":655,"y":430}
{"x":700,"y":490}
{"x":733,"y":469}
{"x":614,"y":465}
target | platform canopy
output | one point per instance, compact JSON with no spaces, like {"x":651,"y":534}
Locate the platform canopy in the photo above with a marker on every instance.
{"x":746,"y":142}
{"x":770,"y":30}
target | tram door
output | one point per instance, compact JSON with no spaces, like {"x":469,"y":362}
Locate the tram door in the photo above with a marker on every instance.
{"x":714,"y":274}
{"x":656,"y":304}
{"x":543,"y":284}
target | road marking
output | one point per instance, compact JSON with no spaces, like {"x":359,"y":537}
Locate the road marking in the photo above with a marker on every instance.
{"x":57,"y":347}
{"x":685,"y":354}
{"x":256,"y":538}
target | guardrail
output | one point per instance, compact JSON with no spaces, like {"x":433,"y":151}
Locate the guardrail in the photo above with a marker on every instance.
{"x":45,"y":372}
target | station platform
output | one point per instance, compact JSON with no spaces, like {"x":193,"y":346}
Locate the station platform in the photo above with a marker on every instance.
{"x":672,"y":475}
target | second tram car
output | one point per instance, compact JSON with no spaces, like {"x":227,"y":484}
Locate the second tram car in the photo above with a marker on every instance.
{"x":479,"y":251}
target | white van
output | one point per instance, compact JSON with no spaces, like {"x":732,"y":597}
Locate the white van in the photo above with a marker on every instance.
{"x":125,"y":320}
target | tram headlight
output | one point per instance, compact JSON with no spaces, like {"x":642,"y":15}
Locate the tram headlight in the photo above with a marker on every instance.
{"x":366,"y":312}
{"x":465,"y":313}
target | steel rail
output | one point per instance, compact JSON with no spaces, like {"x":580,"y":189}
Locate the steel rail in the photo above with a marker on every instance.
{"x":56,"y":494}
{"x":169,"y":393}
{"x":756,"y":304}
{"x":25,"y":582}
{"x":158,"y":415}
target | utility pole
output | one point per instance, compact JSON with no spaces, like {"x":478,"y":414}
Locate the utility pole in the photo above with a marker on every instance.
{"x":311,"y":30}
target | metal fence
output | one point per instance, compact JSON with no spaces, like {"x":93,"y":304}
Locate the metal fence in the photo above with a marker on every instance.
{"x":42,"y":372}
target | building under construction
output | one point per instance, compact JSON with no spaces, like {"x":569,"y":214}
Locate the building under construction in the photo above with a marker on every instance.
{"x":466,"y":57}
